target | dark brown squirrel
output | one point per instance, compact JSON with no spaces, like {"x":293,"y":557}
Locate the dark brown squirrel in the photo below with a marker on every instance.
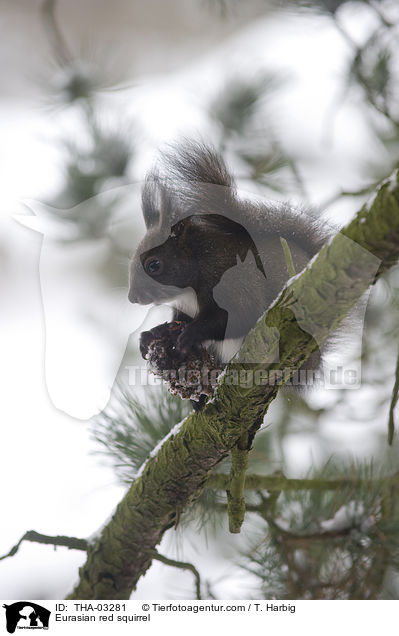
{"x":219,"y":258}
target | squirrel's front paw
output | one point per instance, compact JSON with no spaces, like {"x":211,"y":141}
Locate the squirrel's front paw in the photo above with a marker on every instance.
{"x":188,"y":343}
{"x":164,"y":338}
{"x":146,"y":338}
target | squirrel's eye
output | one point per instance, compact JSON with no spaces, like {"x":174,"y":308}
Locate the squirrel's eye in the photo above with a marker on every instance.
{"x":153,"y":266}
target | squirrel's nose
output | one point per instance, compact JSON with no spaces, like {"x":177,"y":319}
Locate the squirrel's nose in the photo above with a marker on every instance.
{"x":140,"y":297}
{"x":132,"y":296}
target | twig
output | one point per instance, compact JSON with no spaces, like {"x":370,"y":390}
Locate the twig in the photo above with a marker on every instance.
{"x":279,"y":482}
{"x":358,"y":75}
{"x":394,"y":400}
{"x":349,"y":193}
{"x":72,"y":543}
{"x":302,"y":539}
{"x":55,"y":36}
{"x":236,"y":485}
{"x":183,"y":566}
{"x":298,"y":179}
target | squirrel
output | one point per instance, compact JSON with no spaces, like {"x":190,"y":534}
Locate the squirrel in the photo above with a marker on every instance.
{"x":218,"y":258}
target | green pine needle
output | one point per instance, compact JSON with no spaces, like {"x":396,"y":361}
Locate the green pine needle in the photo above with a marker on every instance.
{"x":129,"y":429}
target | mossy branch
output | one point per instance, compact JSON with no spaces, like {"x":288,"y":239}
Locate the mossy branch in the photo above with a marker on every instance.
{"x":279,"y":482}
{"x":327,"y":289}
{"x":236,"y":484}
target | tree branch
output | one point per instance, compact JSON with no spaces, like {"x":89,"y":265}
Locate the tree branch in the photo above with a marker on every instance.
{"x":183,"y":565}
{"x":319,"y":298}
{"x":236,"y":484}
{"x":279,"y":482}
{"x":73,"y":543}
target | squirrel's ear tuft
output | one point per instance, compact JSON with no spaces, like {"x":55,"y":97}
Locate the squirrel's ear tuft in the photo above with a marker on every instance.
{"x":192,"y":179}
{"x":197,"y":179}
{"x":156,"y":200}
{"x":196,"y":163}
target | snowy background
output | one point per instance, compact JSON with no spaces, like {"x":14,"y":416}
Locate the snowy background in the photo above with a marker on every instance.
{"x":162,"y":64}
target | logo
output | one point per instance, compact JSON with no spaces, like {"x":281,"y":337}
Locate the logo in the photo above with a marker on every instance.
{"x":26,"y":615}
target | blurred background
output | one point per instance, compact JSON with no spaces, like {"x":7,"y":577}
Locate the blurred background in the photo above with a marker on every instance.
{"x":302,"y":100}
